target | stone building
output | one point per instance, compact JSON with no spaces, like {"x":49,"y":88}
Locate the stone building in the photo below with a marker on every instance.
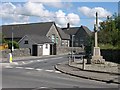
{"x":79,"y":35}
{"x":48,"y":30}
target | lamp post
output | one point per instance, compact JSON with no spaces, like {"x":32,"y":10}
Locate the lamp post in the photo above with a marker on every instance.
{"x":72,"y":47}
{"x":12,"y":40}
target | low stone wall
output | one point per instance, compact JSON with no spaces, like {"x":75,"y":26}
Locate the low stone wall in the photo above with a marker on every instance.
{"x":67,"y":50}
{"x":16,"y":53}
{"x":111,"y":55}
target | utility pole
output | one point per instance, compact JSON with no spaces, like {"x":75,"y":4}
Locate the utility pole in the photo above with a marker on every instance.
{"x":12,"y":42}
{"x":72,"y":48}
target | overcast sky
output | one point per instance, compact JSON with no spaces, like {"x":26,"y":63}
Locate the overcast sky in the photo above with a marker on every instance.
{"x":76,"y":13}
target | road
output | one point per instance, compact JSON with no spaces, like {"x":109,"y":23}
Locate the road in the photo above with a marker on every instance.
{"x":40,"y":73}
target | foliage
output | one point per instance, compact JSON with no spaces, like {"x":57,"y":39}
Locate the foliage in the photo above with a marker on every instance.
{"x":88,"y":48}
{"x":109,"y":32}
{"x":2,"y":40}
{"x":15,"y":44}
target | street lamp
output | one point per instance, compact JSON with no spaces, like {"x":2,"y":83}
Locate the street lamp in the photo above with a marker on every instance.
{"x":12,"y":41}
{"x":72,"y":47}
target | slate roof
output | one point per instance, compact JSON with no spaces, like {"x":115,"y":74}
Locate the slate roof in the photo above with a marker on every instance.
{"x":87,"y":30}
{"x":41,"y":29}
{"x":38,"y":39}
{"x":63,"y":35}
{"x":74,"y":30}
{"x":71,"y":31}
{"x":21,"y":30}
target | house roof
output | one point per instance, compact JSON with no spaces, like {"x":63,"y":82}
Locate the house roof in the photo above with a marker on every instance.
{"x":71,"y":31}
{"x":41,"y":29}
{"x":74,"y":30}
{"x":21,"y":30}
{"x":87,"y":30}
{"x":37,"y":39}
{"x":63,"y":34}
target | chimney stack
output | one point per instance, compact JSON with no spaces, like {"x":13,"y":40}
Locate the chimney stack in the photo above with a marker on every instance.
{"x":68,"y":25}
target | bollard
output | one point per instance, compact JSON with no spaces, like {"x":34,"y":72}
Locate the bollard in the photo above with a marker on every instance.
{"x":69,"y":61}
{"x":74,"y":59}
{"x":10,"y":57}
{"x":83,"y":66}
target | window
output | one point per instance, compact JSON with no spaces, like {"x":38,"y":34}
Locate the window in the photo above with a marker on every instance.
{"x":46,"y":46}
{"x":26,"y":42}
{"x":53,"y":38}
{"x":81,"y":40}
{"x":57,"y":40}
{"x":62,"y":43}
{"x":49,"y":37}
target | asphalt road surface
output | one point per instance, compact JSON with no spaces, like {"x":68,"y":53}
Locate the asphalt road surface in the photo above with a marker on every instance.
{"x":40,"y":73}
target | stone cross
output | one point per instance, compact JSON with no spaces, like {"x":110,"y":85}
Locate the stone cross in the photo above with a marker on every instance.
{"x":97,"y":58}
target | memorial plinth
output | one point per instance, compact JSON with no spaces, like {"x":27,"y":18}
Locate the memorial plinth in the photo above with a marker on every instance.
{"x":97,"y":58}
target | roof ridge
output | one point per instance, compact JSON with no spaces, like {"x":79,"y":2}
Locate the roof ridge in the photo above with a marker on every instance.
{"x":29,"y":23}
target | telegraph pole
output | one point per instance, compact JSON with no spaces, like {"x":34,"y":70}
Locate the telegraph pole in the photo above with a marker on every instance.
{"x":12,"y":40}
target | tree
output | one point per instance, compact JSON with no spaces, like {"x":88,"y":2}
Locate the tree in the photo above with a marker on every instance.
{"x":2,"y":38}
{"x":110,"y":31}
{"x":15,"y":44}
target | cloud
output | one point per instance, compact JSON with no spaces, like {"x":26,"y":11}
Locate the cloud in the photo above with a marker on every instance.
{"x":53,"y":3}
{"x":35,"y":9}
{"x":9,"y":11}
{"x":90,"y":12}
{"x":25,"y":12}
{"x":61,"y":18}
{"x":16,"y":23}
{"x":73,"y":19}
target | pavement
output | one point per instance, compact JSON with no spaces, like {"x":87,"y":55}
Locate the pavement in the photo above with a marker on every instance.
{"x":108,"y":73}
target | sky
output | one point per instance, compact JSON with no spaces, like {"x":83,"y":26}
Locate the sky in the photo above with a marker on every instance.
{"x":75,"y":12}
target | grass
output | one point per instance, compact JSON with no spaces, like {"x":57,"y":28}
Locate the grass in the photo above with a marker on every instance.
{"x":108,"y":46}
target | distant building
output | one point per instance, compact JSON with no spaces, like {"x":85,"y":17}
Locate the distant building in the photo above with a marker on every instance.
{"x":44,"y":38}
{"x":40,"y":33}
{"x":80,"y":35}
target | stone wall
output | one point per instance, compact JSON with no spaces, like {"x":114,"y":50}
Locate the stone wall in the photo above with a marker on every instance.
{"x":67,"y":50}
{"x":16,"y":53}
{"x":111,"y":55}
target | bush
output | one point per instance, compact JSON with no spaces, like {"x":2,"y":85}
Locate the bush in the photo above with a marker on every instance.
{"x":15,"y":44}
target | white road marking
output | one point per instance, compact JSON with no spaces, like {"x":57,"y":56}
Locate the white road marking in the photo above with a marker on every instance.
{"x":29,"y":68}
{"x":38,"y":60}
{"x":49,"y":70}
{"x":45,"y":59}
{"x":57,"y":58}
{"x":38,"y":69}
{"x":57,"y":72}
{"x":15,"y":63}
{"x":31,"y":61}
{"x":43,"y":87}
{"x":8,"y":67}
{"x":19,"y":67}
{"x":23,"y":62}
